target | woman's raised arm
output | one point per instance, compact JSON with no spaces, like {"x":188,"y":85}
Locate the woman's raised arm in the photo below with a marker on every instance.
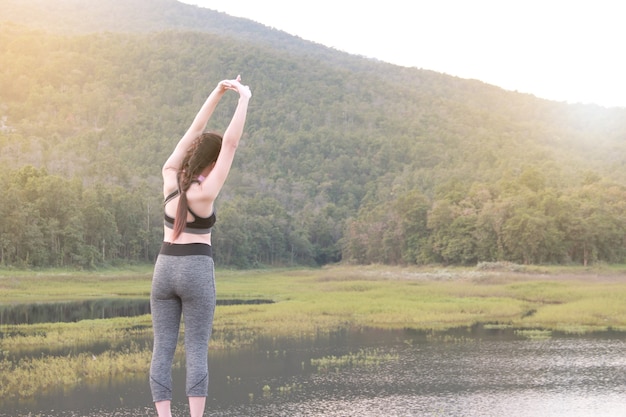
{"x":216,"y":178}
{"x":197,"y":126}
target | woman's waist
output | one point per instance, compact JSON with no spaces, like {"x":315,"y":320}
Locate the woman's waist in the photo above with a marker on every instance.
{"x":185,"y":249}
{"x":184,"y":238}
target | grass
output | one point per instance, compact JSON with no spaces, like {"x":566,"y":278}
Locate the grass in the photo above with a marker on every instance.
{"x":39,"y":374}
{"x":534,"y":300}
{"x":62,"y":285}
{"x":307,"y":300}
{"x":362,"y":358}
{"x":54,"y":336}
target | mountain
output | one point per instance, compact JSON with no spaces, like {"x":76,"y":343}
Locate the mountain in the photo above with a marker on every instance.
{"x":343,"y":157}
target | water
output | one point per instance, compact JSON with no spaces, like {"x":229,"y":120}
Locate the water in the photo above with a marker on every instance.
{"x":477,"y":373}
{"x":100,"y":308}
{"x":72,"y":311}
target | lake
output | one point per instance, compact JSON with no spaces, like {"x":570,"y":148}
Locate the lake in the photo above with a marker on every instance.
{"x":371,"y":372}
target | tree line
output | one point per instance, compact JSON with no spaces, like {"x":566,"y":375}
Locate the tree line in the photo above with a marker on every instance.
{"x":519,"y":220}
{"x":47,"y":220}
{"x":51,"y":221}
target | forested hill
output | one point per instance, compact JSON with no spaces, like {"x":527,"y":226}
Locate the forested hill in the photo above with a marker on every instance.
{"x":343,"y":157}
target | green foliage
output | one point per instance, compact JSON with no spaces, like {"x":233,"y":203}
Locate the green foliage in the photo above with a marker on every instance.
{"x":33,"y":375}
{"x":343,"y":158}
{"x":49,"y":220}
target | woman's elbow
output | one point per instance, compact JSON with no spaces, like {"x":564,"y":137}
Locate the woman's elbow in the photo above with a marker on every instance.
{"x":230,"y":143}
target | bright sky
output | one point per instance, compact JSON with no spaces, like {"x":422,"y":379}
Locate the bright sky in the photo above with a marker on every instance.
{"x":563,"y":50}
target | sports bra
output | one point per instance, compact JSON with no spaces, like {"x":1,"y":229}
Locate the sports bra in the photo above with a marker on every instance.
{"x":199,"y":225}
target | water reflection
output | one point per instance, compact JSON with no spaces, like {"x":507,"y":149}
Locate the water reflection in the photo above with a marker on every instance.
{"x":101,"y":308}
{"x":478,"y":373}
{"x":73,"y":311}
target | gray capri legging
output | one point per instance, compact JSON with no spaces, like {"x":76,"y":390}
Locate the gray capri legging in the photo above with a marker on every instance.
{"x":183,"y":283}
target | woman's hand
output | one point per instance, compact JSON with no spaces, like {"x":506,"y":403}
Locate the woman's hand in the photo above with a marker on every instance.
{"x":235,"y":85}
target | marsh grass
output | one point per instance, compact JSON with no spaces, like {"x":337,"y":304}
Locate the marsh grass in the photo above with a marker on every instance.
{"x":307,"y":303}
{"x":363,"y":358}
{"x":29,"y":376}
{"x":53,"y":336}
{"x":49,"y":286}
{"x":534,"y":334}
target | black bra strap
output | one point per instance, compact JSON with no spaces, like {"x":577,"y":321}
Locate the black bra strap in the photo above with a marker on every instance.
{"x":170,"y":197}
{"x":174,"y":193}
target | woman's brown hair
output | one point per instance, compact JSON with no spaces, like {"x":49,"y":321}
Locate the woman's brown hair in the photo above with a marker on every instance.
{"x":202,"y":153}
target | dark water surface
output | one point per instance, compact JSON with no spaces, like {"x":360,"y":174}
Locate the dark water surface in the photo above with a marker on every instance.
{"x":468,"y":373}
{"x":100,"y":308}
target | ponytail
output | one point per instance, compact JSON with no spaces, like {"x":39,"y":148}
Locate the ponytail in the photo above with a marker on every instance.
{"x":184,"y":181}
{"x":202,"y":153}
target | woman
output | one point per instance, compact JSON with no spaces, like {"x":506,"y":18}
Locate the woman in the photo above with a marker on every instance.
{"x":183,"y":280}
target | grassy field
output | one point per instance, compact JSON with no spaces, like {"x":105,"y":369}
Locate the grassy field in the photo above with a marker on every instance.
{"x":306,"y":302}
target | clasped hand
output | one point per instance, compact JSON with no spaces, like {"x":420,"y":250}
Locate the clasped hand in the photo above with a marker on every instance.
{"x":235,"y":85}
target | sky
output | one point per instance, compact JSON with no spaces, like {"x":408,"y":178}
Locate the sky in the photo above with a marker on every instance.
{"x":568,"y":51}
